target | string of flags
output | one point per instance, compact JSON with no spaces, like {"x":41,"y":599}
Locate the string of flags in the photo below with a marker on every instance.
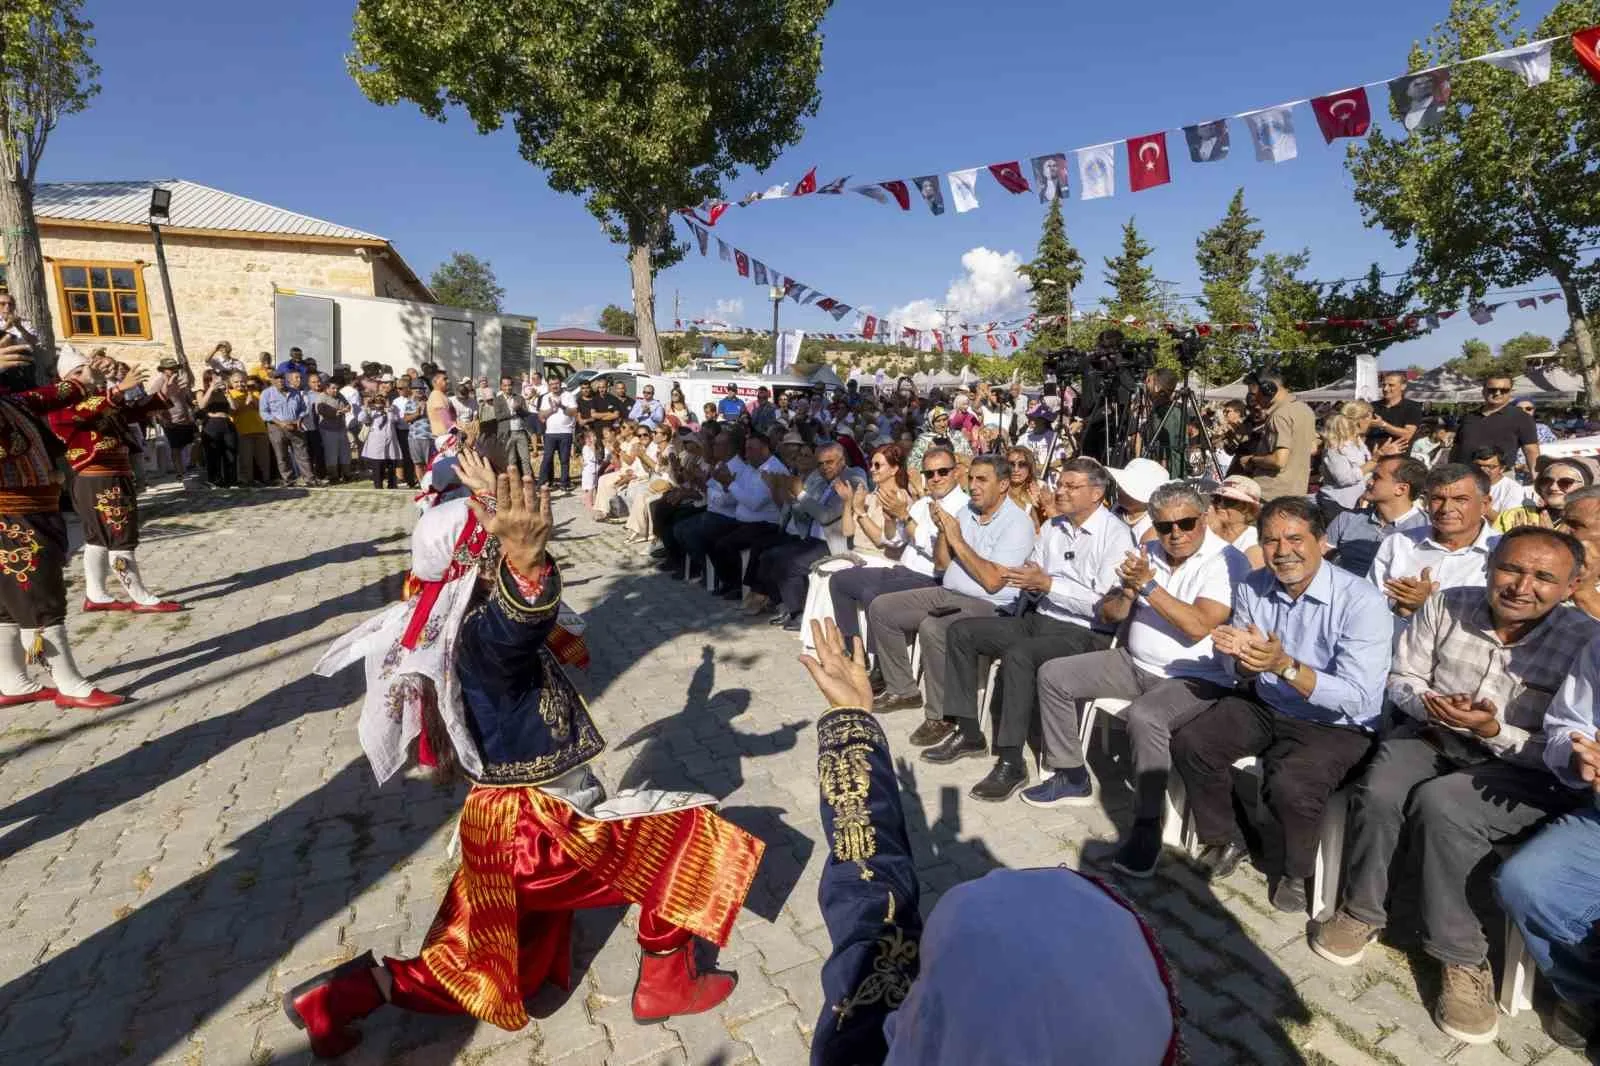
{"x":1420,"y":98}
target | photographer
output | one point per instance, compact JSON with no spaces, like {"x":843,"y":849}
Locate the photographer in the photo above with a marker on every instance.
{"x":1108,"y":388}
{"x":1160,"y":435}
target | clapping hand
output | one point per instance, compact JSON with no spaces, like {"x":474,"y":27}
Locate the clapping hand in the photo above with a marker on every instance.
{"x":1030,"y":576}
{"x":1135,"y":570}
{"x":1410,"y":593}
{"x":840,"y":673}
{"x":1586,"y":759}
{"x":1460,"y":711}
{"x":896,"y":503}
{"x":1391,"y":447}
{"x":521,"y":521}
{"x":135,"y":377}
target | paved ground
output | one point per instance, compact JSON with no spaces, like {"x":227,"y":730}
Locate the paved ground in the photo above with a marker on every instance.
{"x":167,"y":869}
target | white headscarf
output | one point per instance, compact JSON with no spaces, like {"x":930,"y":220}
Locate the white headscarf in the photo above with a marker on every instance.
{"x":1041,"y":967}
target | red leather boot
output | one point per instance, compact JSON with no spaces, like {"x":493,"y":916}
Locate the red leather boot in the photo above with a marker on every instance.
{"x":670,"y":984}
{"x":326,"y":1005}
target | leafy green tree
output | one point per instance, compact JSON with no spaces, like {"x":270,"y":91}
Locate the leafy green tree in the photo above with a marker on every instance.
{"x":1130,"y":278}
{"x":1055,"y":271}
{"x":1225,"y":254}
{"x":1506,"y":188}
{"x":46,"y":73}
{"x":1367,"y":300}
{"x":1525,"y":344}
{"x":641,"y":106}
{"x":1478,"y":360}
{"x":466,"y":281}
{"x":1288,"y":299}
{"x":615,"y":320}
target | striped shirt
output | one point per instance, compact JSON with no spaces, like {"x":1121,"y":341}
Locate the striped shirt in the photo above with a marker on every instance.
{"x":1451,"y":648}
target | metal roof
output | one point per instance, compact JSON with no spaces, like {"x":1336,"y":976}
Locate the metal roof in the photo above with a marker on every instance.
{"x":194,"y":206}
{"x":578,"y":335}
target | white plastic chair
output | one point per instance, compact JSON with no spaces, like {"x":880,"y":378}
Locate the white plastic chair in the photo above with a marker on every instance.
{"x":1516,"y":981}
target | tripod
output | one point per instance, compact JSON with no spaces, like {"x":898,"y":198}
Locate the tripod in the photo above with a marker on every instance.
{"x":1187,"y":410}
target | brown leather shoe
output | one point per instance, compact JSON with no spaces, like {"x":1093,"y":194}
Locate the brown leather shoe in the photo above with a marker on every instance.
{"x":930,"y":733}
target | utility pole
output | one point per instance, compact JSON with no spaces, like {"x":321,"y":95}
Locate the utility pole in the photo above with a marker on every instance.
{"x":677,"y":318}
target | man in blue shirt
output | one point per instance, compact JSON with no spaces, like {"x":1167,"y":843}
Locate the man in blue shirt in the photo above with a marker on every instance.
{"x":647,"y":409}
{"x":1390,"y":504}
{"x":730,"y":407}
{"x":296,"y":362}
{"x":287,"y":414}
{"x":1312,"y":642}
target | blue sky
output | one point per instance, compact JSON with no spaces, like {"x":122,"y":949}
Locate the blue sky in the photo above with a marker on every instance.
{"x":255,"y":99}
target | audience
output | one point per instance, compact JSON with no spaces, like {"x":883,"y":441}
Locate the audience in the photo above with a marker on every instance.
{"x":1472,"y":675}
{"x":1389,"y":505}
{"x":816,"y":521}
{"x":1505,"y":492}
{"x":1284,"y":467}
{"x":1346,"y":461}
{"x":1232,"y":516}
{"x":1498,"y":425}
{"x":1555,"y":481}
{"x":1136,"y":482}
{"x":1451,"y":551}
{"x":287,"y":413}
{"x":1073,"y":566}
{"x":757,"y":489}
{"x":1313,"y":643}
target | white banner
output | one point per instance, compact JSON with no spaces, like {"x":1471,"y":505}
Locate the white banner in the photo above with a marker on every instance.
{"x":788,"y":348}
{"x":1367,"y":378}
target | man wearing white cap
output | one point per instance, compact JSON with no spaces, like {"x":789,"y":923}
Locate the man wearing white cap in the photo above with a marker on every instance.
{"x":1136,"y":483}
{"x":95,"y":431}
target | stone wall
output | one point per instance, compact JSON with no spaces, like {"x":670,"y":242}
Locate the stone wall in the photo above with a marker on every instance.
{"x":223,"y":285}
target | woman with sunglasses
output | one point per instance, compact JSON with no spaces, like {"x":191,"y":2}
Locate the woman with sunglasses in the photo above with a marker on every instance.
{"x":1027,"y":490}
{"x":1232,"y":516}
{"x":1556,"y":480}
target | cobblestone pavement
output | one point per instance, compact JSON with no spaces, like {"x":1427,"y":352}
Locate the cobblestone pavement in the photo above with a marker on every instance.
{"x":169,"y":868}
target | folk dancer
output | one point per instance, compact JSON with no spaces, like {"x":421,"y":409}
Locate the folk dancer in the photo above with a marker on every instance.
{"x":33,"y":543}
{"x":463,"y":671}
{"x":95,"y":431}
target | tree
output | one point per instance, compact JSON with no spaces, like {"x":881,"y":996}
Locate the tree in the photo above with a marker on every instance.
{"x":1525,"y":344}
{"x":1225,"y":254}
{"x":615,"y":320}
{"x":1055,"y":271}
{"x":1286,"y":300}
{"x":1368,"y":300}
{"x":1506,"y":188}
{"x":1130,"y":278}
{"x":45,"y":73}
{"x":466,"y":281}
{"x":642,"y":107}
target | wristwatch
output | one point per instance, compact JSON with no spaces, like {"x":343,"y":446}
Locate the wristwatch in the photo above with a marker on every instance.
{"x":1148,"y":587}
{"x":1291,"y":672}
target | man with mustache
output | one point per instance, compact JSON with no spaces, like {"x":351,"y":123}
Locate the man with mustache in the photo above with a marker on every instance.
{"x":1312,"y":641}
{"x":1451,"y":551}
{"x":1474,"y":675}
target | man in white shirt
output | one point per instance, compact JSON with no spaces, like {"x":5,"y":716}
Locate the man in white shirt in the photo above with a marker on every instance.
{"x":757,"y":516}
{"x":558,"y":411}
{"x":1452,"y":551}
{"x":977,"y":551}
{"x":1073,"y":565}
{"x":1505,"y":492}
{"x":1391,"y":503}
{"x":690,"y":538}
{"x":910,"y":544}
{"x":1173,"y":592}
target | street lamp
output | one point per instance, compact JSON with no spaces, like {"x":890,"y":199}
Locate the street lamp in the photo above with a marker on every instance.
{"x":775,"y":294}
{"x":1052,"y":282}
{"x":161,"y":211}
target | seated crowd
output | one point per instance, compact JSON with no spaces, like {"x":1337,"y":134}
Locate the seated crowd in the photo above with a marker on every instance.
{"x":1417,"y":659}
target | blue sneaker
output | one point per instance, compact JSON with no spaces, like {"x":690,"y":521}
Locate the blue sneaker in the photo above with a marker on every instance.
{"x":1064,"y":788}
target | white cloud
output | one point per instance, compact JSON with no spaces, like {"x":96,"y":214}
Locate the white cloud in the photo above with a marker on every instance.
{"x":991,"y":285}
{"x":732,"y":310}
{"x":587,"y":315}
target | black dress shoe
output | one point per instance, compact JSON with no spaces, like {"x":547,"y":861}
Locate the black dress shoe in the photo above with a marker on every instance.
{"x":781,"y":619}
{"x":1217,"y":861}
{"x":1002,"y":781}
{"x":878,"y":683}
{"x":735,"y":594}
{"x":1139,"y":854}
{"x":697,"y":576}
{"x":930,"y":732}
{"x":955,"y":747}
{"x":889,"y":702}
{"x":1290,"y":895}
{"x":792,"y":624}
{"x":1572,"y":1025}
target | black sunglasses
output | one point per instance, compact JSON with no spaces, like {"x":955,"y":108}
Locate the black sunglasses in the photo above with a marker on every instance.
{"x":1492,"y":391}
{"x":938,"y":471}
{"x":1185,"y":524}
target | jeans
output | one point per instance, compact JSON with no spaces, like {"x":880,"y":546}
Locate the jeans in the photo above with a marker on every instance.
{"x":287,"y":445}
{"x":556,"y":443}
{"x":1021,"y":645}
{"x":1550,"y":890}
{"x":1302,"y":763}
{"x":1455,"y":813}
{"x":1160,"y":706}
{"x":854,"y":589}
{"x":894,"y":619}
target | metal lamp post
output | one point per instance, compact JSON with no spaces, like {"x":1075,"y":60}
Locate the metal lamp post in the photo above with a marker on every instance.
{"x":775,"y":294}
{"x":161,"y":211}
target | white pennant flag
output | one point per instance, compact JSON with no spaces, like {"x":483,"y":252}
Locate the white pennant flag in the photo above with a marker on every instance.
{"x":964,"y":189}
{"x":1097,"y":171}
{"x":723,"y":252}
{"x":1272,"y":133}
{"x":1531,"y":62}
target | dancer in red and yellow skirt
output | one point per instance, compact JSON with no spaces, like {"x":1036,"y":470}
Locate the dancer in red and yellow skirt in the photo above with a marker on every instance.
{"x":462,"y":675}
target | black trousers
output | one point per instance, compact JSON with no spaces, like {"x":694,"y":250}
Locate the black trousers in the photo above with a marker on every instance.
{"x":33,"y":583}
{"x":382,"y":473}
{"x":1022,"y":645}
{"x":694,"y":535}
{"x":108,"y":507}
{"x":785,"y":571}
{"x":556,"y":444}
{"x":1302,"y":762}
{"x":754,"y":537}
{"x":221,"y":443}
{"x":665,"y":514}
{"x":854,"y":589}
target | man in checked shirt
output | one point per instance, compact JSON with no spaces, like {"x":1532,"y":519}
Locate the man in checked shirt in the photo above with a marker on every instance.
{"x":1465,"y":771}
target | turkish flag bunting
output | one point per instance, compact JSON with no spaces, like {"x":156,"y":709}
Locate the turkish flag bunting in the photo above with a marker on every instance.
{"x":870,"y":328}
{"x":1147,"y":162}
{"x":715,"y":212}
{"x":898,"y":190}
{"x":993,"y":344}
{"x":807,"y":183}
{"x":1013,"y":340}
{"x":1586,"y":46}
{"x":938,"y":340}
{"x":827,"y":303}
{"x":1009,"y":175}
{"x":742,"y":263}
{"x":966,"y":344}
{"x":1345,"y":114}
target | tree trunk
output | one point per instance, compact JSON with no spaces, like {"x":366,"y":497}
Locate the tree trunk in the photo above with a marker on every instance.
{"x":19,"y":235}
{"x":1587,"y":364}
{"x":644,"y":304}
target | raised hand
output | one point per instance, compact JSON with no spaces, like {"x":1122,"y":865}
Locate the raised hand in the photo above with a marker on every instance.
{"x":475,"y":473}
{"x":840,"y":674}
{"x":521,"y":521}
{"x":15,"y":355}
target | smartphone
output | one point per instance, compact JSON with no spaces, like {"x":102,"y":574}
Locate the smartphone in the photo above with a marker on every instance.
{"x":134,"y":395}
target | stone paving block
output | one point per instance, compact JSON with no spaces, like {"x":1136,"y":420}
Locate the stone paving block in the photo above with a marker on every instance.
{"x":775,"y":1038}
{"x":1326,"y":1041}
{"x":630,"y":1041}
{"x":1409,"y":1015}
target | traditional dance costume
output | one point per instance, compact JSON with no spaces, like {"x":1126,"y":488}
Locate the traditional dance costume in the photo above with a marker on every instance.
{"x":95,"y":431}
{"x":470,"y":652}
{"x":33,"y":554}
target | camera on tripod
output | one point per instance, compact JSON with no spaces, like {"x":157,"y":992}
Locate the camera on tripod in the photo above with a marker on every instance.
{"x":1190,"y":347}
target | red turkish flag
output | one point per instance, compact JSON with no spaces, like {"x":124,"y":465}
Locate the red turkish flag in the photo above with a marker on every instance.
{"x":1013,"y":340}
{"x":1147,"y":162}
{"x":993,"y":344}
{"x":827,"y":303}
{"x":1345,"y":114}
{"x":898,"y":190}
{"x":715,"y":212}
{"x":1009,"y":175}
{"x":742,"y":263}
{"x":1586,"y":46}
{"x":807,"y":183}
{"x":870,"y":327}
{"x":938,"y":340}
{"x":966,"y":344}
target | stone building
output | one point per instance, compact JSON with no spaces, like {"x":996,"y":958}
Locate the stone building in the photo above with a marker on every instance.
{"x":226,"y":255}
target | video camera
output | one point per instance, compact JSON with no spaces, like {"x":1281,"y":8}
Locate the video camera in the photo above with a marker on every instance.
{"x":1112,"y":357}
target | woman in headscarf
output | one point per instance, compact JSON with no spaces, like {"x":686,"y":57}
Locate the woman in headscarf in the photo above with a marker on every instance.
{"x":938,"y":431}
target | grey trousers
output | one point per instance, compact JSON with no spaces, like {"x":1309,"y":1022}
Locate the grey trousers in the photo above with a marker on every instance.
{"x":515,"y":446}
{"x":1160,"y":707}
{"x":1455,"y":813}
{"x":895,"y":618}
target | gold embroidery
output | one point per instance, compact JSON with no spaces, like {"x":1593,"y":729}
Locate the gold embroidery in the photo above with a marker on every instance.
{"x":846,"y":776}
{"x":516,"y":607}
{"x":109,"y":505}
{"x":22,"y":557}
{"x":889,"y":980}
{"x":847,"y":726}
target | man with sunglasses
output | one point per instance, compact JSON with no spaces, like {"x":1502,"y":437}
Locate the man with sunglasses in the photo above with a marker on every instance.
{"x":909,"y":543}
{"x":1498,"y":424}
{"x":1073,"y":565}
